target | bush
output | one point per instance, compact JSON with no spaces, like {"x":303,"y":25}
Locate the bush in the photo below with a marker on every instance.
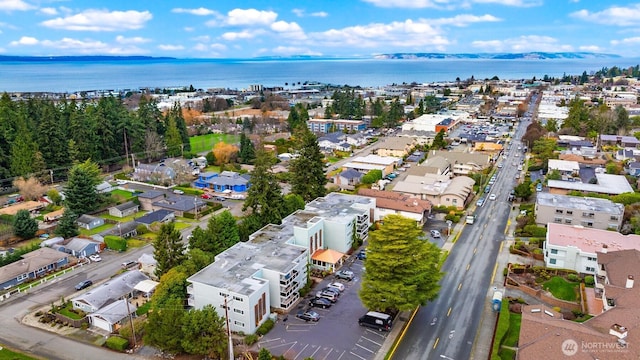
{"x":251,"y":339}
{"x":535,"y":231}
{"x":117,"y":343}
{"x":589,"y":280}
{"x":115,"y":243}
{"x":265,"y":327}
{"x":573,"y":277}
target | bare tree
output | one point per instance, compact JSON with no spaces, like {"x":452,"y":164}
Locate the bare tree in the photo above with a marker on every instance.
{"x":153,"y":145}
{"x":30,"y":189}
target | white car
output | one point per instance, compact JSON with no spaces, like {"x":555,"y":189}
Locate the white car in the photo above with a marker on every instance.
{"x":435,"y":233}
{"x":121,"y":182}
{"x":177,"y":191}
{"x":95,"y":258}
{"x":492,"y":197}
{"x":337,"y":285}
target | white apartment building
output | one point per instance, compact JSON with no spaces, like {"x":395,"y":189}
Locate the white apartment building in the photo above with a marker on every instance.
{"x":574,"y":210}
{"x":268,"y":270}
{"x":576,"y":247}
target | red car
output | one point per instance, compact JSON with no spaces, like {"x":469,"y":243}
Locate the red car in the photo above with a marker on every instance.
{"x":206,"y":196}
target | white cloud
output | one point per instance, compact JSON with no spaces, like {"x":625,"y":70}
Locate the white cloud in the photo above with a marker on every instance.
{"x":218,"y":47}
{"x":25,"y":40}
{"x":250,"y":17}
{"x":200,"y":47}
{"x":302,"y":13}
{"x":132,"y":40}
{"x":298,"y":12}
{"x":199,"y":11}
{"x":590,"y":48}
{"x":15,"y":5}
{"x":48,"y":11}
{"x":522,"y":44}
{"x":189,"y":29}
{"x":169,"y":47}
{"x":464,"y":20}
{"x":202,"y":38}
{"x":449,"y":4}
{"x":244,"y":34}
{"x":412,"y":4}
{"x":615,"y":15}
{"x":320,"y":14}
{"x":516,"y":3}
{"x":289,"y":30}
{"x":627,"y":41}
{"x":101,"y":20}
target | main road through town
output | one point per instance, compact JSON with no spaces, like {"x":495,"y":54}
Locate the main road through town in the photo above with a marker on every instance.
{"x":446,"y":328}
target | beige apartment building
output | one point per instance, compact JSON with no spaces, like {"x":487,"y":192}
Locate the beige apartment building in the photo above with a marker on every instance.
{"x":574,"y":210}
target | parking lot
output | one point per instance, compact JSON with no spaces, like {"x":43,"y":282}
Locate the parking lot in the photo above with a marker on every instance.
{"x":336,"y":336}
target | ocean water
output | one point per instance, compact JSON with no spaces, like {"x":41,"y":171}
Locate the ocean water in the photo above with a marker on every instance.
{"x":72,"y":76}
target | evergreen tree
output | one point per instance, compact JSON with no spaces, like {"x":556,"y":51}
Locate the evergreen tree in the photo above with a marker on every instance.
{"x":247,"y":152}
{"x":168,"y":249}
{"x":307,"y":168}
{"x":204,"y":333}
{"x":439,"y":142}
{"x":172,"y":138}
{"x":165,"y":324}
{"x":67,"y":226}
{"x":264,"y":354}
{"x":53,"y":127}
{"x":221,"y":234}
{"x":24,"y":225}
{"x":293,"y":202}
{"x":23,"y":152}
{"x":402,"y":267}
{"x":81,"y":195}
{"x":264,"y":196}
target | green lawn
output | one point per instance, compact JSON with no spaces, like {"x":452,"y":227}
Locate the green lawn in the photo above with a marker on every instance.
{"x":562,"y":289}
{"x":122,"y":194}
{"x":6,"y":354}
{"x":205,"y":143}
{"x":97,"y":230}
{"x":124,"y":219}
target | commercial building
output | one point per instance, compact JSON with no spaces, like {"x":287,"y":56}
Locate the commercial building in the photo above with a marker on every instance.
{"x":574,"y":210}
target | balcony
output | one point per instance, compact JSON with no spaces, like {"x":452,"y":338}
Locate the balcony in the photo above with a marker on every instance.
{"x":190,"y":289}
{"x":191,"y":301}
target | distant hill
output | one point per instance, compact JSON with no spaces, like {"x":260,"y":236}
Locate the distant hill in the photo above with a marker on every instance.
{"x":13,"y":58}
{"x":505,"y":56}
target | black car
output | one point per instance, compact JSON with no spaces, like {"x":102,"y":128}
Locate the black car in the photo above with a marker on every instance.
{"x":84,"y":284}
{"x":361,"y":255}
{"x":320,"y":302}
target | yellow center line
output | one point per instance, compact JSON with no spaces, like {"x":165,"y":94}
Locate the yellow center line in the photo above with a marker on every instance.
{"x":475,"y":250}
{"x":468,"y":266}
{"x":436,"y":343}
{"x":449,"y":312}
{"x":460,"y":285}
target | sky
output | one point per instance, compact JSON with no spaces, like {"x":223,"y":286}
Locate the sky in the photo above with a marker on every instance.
{"x":330,"y":28}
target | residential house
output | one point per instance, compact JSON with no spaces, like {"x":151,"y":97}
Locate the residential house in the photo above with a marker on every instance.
{"x":606,"y":184}
{"x":148,"y":265}
{"x":440,"y":190}
{"x":104,"y":187}
{"x":464,"y":163}
{"x":627,"y":154}
{"x":395,"y":146}
{"x":564,"y":167}
{"x":223,"y":182}
{"x":147,"y":199}
{"x":123,"y":210}
{"x":111,"y":317}
{"x":180,"y":204}
{"x":618,"y":140}
{"x":590,"y":212}
{"x":154,"y":173}
{"x":30,"y":206}
{"x":125,"y":229}
{"x":389,"y":202}
{"x":116,"y":288}
{"x":32,"y":265}
{"x":433,"y":165}
{"x":357,"y":140}
{"x":330,"y":141}
{"x":79,"y":247}
{"x":633,"y":168}
{"x":157,"y":216}
{"x":53,"y":216}
{"x":89,"y":222}
{"x":580,"y":144}
{"x":576,"y":247}
{"x":348,"y":179}
{"x":364,"y":164}
{"x":416,"y":157}
{"x":269,"y":270}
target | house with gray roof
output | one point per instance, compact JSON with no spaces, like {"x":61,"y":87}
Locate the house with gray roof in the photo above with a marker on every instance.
{"x":147,"y":199}
{"x":79,"y":247}
{"x":154,"y":173}
{"x":112,"y":290}
{"x":110,"y":317}
{"x":159,"y":216}
{"x":89,"y":222}
{"x":348,"y":179}
{"x":124,"y":210}
{"x":32,"y":265}
{"x":180,"y":204}
{"x":125,"y":229}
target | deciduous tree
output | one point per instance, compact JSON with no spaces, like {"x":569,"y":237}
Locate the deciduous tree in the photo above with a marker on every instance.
{"x":224,"y":153}
{"x":30,"y":189}
{"x":402,"y":267}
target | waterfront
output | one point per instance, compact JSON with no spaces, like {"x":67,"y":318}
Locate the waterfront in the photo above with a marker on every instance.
{"x":75,"y":76}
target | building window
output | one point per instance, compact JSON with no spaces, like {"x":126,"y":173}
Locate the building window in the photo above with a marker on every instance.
{"x":558,"y":211}
{"x":237,"y":298}
{"x":558,"y":220}
{"x":236,"y":322}
{"x":614,"y":218}
{"x":590,"y":269}
{"x":238,"y":311}
{"x":587,"y":224}
{"x":591,"y":258}
{"x":223,"y":294}
{"x":569,"y":212}
{"x":554,"y":251}
{"x":567,"y":221}
{"x":588,"y":215}
{"x":22,"y":277}
{"x":552,"y":261}
{"x":454,"y":201}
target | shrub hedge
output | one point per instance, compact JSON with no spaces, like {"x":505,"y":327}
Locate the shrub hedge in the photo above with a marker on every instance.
{"x":117,"y":343}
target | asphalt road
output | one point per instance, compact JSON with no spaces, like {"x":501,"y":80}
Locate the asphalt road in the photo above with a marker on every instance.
{"x":446,"y":328}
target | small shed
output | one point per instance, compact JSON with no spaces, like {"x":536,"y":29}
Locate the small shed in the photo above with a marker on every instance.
{"x":124,"y":210}
{"x":89,"y":222}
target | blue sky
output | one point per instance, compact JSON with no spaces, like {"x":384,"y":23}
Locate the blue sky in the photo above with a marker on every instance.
{"x":245,"y":28}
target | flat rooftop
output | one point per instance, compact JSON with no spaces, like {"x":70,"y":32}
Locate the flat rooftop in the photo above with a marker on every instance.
{"x":580,"y":203}
{"x":590,"y":240}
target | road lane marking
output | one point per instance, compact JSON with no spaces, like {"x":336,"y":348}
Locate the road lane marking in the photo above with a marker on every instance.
{"x":468,"y":266}
{"x":501,"y":244}
{"x":318,"y":348}
{"x":329,"y":353}
{"x":475,"y":250}
{"x":436,"y":343}
{"x":364,"y":348}
{"x":493,"y":276}
{"x":449,"y":312}
{"x":300,"y":352}
{"x":460,"y":285}
{"x":354,"y":354}
{"x":404,"y":331}
{"x":480,"y":237}
{"x":343,"y":352}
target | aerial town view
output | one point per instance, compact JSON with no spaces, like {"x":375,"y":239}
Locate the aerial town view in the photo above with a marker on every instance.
{"x":354,"y":180}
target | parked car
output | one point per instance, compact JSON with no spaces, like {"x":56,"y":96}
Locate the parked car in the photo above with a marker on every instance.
{"x":178,"y":191}
{"x":539,"y":187}
{"x":308,"y":315}
{"x":330,"y":289}
{"x":121,"y":182}
{"x":345,"y":275}
{"x":361,"y":255}
{"x":329,"y":295}
{"x":320,"y":302}
{"x":129,"y":264}
{"x":95,"y":258}
{"x":84,"y":284}
{"x":220,"y":198}
{"x":337,"y":285}
{"x":435,"y":233}
{"x":206,"y":196}
{"x":480,"y":202}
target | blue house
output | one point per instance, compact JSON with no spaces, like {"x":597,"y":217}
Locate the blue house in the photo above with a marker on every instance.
{"x":32,"y":265}
{"x":633,"y":168}
{"x":223,"y":182}
{"x":79,"y":247}
{"x":89,"y":222}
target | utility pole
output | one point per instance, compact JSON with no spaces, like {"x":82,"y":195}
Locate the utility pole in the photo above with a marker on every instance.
{"x":51,"y":173}
{"x":133,"y":330}
{"x":226,"y":315}
{"x":126,"y":148}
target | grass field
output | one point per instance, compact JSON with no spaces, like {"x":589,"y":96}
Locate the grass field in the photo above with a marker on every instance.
{"x":562,"y":289}
{"x":6,"y":354}
{"x":205,"y":143}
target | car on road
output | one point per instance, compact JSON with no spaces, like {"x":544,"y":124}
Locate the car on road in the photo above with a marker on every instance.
{"x":221,"y":198}
{"x":345,"y":275}
{"x":206,"y":196}
{"x":129,"y":264}
{"x":492,"y":197}
{"x":361,"y":255}
{"x":435,"y":233}
{"x":480,"y":202}
{"x":539,"y":187}
{"x":95,"y":258}
{"x":308,"y":315}
{"x":178,"y":191}
{"x":84,"y":284}
{"x":320,"y":302}
{"x":500,"y":166}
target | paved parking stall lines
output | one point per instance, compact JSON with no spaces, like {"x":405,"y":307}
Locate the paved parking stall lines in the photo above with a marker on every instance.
{"x":301,"y":351}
